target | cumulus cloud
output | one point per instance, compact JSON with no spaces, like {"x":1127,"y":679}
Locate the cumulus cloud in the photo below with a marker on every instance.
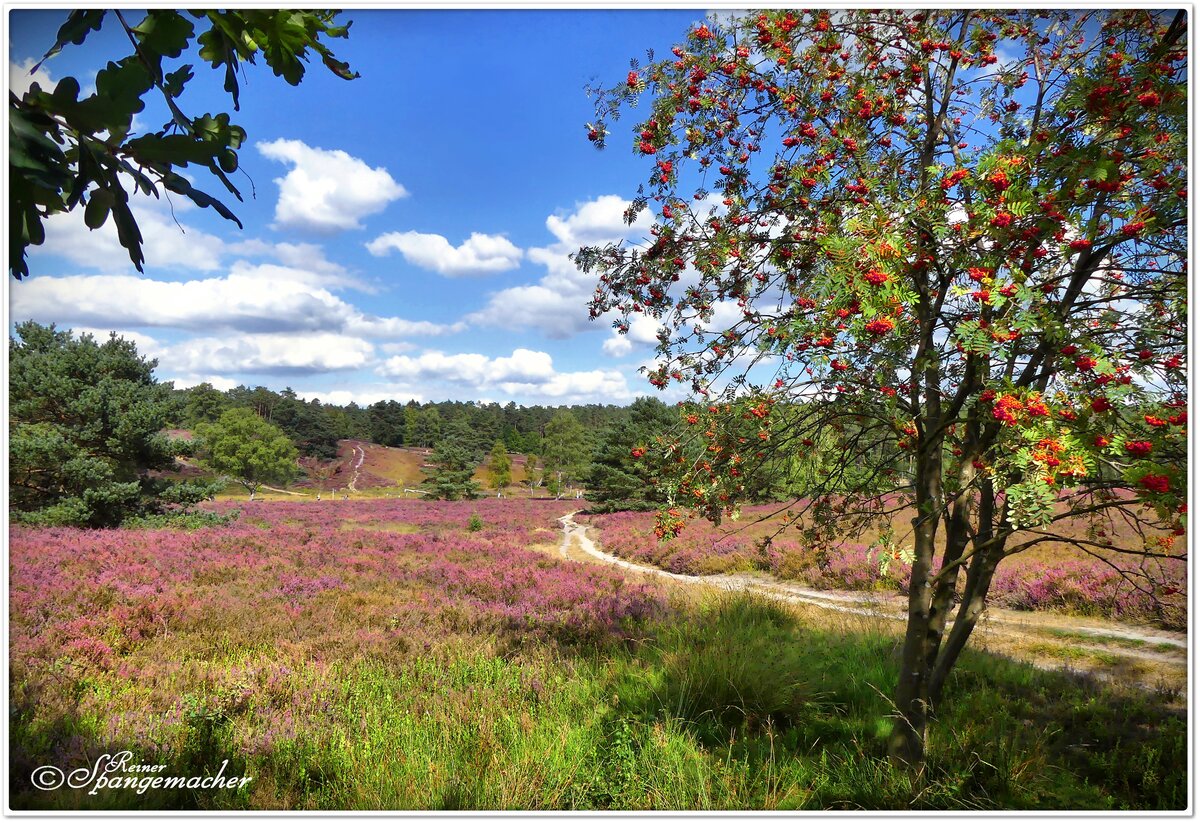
{"x":478,"y":254}
{"x":308,"y":258}
{"x":327,"y":191}
{"x":21,"y":77}
{"x":250,"y":299}
{"x":526,"y":373}
{"x":165,"y":243}
{"x":643,"y":331}
{"x":472,"y":369}
{"x":557,"y":304}
{"x":280,"y":354}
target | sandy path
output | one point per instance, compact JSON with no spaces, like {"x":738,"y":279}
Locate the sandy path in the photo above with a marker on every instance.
{"x":1166,"y":649}
{"x":362,"y":455}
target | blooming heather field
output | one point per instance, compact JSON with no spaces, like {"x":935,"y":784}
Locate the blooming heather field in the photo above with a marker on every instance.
{"x":1050,"y":577}
{"x":286,"y":588}
{"x":401,"y":654}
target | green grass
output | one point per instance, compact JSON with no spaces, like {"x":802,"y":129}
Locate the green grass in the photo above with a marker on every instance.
{"x":1112,"y":640}
{"x":733,"y":705}
{"x":1071,"y":653}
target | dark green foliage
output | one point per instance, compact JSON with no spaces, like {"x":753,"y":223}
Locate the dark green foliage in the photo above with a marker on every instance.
{"x":309,"y":425}
{"x":619,"y":480}
{"x":423,"y":428}
{"x":453,"y":464}
{"x":387,"y":423}
{"x":66,"y":152}
{"x":203,"y":404}
{"x":85,"y":421}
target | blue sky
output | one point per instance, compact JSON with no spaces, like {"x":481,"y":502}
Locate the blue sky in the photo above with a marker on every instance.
{"x":410,"y":232}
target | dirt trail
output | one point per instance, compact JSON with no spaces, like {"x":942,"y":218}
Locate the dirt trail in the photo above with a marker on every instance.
{"x":362,"y":455}
{"x":1163,"y":652}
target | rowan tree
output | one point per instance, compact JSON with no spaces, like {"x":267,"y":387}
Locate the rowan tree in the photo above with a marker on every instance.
{"x":958,"y":237}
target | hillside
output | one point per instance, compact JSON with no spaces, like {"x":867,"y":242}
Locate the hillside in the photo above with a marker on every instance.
{"x":362,"y":466}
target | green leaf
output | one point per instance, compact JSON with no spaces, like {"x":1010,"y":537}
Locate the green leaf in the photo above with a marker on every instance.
{"x":128,"y":233}
{"x":66,"y":91}
{"x":100,"y":202}
{"x":165,"y":32}
{"x":229,"y":160}
{"x":179,"y":184}
{"x":174,"y":82}
{"x":79,"y":24}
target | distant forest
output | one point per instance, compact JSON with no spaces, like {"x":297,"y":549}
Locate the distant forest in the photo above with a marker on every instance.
{"x":316,"y":427}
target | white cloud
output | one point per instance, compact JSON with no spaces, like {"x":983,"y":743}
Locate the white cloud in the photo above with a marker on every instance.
{"x":478,"y":254}
{"x":643,"y":331}
{"x":526,"y":373}
{"x":327,"y":190}
{"x":401,"y":347}
{"x":523,"y":366}
{"x":250,"y":299}
{"x":165,"y":244}
{"x":597,"y":221}
{"x":268,"y":354}
{"x":20,"y":79}
{"x":309,"y":256}
{"x":617,"y":346}
{"x":147,"y":346}
{"x":557,"y":304}
{"x":597,"y":385}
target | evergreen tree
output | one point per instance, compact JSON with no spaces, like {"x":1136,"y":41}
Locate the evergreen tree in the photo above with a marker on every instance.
{"x":85,"y":431}
{"x":622,"y":473}
{"x":450,"y":477}
{"x":203,"y":404}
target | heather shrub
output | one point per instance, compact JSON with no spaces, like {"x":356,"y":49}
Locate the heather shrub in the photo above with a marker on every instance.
{"x":1120,"y":588}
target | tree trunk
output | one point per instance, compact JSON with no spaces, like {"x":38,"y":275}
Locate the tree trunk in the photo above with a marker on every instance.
{"x":906,"y":746}
{"x":979,"y":580}
{"x":989,"y":553}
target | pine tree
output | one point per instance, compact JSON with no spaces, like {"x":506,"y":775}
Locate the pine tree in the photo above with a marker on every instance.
{"x":449,"y":478}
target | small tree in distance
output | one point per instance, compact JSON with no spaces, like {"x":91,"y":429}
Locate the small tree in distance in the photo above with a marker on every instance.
{"x":248,"y":449}
{"x":452,"y":467}
{"x":531,"y":475}
{"x":564,"y":451}
{"x":499,"y":466}
{"x":958,"y":239}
